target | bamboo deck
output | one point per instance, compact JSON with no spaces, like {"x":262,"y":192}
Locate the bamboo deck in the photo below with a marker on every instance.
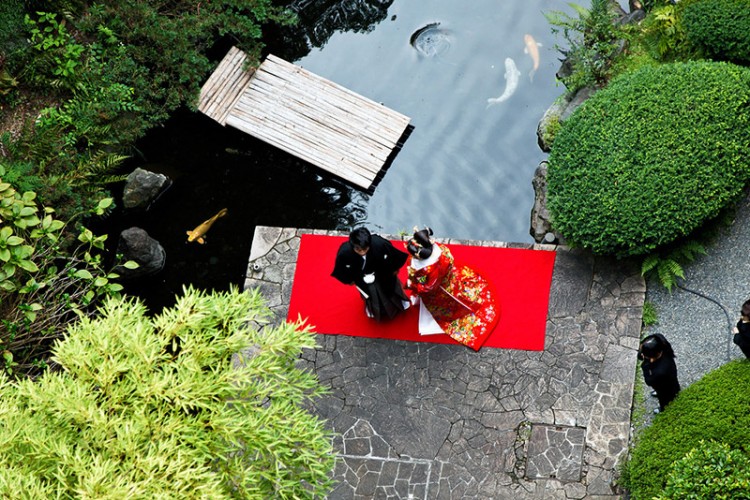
{"x":308,"y":116}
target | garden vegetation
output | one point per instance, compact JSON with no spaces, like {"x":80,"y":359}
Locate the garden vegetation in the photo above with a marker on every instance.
{"x":700,"y":447}
{"x":108,"y":402}
{"x":651,"y":157}
{"x":159,"y":408}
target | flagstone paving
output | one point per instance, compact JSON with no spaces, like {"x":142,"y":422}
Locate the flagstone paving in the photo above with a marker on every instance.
{"x":436,"y":421}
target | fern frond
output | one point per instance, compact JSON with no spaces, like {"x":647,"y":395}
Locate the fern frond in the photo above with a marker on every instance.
{"x":649,"y":263}
{"x":668,"y":271}
{"x":582,"y":11}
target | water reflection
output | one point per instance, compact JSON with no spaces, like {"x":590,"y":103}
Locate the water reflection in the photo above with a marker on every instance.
{"x":320,"y":19}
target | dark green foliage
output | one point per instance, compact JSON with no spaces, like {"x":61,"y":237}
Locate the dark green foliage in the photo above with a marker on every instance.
{"x":11,"y":25}
{"x":165,"y":44}
{"x":593,"y":43}
{"x":715,"y":409}
{"x":711,"y":470}
{"x":719,"y":28}
{"x":651,"y":157}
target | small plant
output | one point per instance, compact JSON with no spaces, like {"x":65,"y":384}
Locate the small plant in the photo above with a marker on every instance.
{"x":57,"y":47}
{"x":663,"y":34}
{"x":650,"y":316}
{"x":594,"y":43}
{"x":667,"y":266}
{"x":46,"y":277}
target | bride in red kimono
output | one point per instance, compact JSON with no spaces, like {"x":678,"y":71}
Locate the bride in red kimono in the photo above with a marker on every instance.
{"x":455,"y":298}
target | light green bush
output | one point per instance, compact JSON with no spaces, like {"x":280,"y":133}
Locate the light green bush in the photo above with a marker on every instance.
{"x":651,"y":157}
{"x":710,"y":470}
{"x":713,"y":409}
{"x":157,"y":408}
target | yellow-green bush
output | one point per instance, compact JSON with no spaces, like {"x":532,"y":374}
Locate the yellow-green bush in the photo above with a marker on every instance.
{"x":157,"y":408}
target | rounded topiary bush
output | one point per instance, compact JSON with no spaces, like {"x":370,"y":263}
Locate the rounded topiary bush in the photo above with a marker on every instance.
{"x":719,"y":28}
{"x":650,"y":157}
{"x":716,"y":410}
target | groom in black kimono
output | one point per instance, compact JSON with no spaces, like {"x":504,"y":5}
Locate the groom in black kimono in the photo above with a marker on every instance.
{"x":371,"y":263}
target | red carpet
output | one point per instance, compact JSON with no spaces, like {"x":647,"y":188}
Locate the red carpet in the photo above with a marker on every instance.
{"x":521,"y":278}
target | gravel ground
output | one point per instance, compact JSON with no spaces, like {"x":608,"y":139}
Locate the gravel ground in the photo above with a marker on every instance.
{"x":697,"y":327}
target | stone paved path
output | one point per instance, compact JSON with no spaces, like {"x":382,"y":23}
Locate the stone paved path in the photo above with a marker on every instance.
{"x":433,"y":421}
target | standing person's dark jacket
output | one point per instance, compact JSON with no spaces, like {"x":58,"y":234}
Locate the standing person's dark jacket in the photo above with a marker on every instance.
{"x":385,"y":295}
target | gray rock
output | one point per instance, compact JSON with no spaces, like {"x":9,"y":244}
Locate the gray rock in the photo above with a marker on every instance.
{"x":550,"y":121}
{"x":540,"y":220}
{"x":135,"y":244}
{"x":635,"y":16}
{"x":142,"y":188}
{"x":576,"y":101}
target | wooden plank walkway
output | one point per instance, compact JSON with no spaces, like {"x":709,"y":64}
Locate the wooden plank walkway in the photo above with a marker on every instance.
{"x":304,"y":114}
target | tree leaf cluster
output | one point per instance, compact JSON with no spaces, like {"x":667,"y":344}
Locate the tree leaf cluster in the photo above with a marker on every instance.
{"x":202,"y":401}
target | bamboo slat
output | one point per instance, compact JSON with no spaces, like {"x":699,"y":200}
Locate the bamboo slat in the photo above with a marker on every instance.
{"x":308,"y":116}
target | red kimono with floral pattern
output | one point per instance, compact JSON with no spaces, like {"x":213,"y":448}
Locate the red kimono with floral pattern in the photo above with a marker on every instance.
{"x":460,"y":300}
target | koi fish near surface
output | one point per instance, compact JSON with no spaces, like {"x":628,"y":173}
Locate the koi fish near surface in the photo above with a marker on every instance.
{"x":199,"y":232}
{"x":532,"y":49}
{"x":511,"y":82}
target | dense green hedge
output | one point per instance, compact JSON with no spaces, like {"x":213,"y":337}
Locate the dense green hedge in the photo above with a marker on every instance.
{"x":652,"y":156}
{"x":715,"y":409}
{"x":719,"y":28}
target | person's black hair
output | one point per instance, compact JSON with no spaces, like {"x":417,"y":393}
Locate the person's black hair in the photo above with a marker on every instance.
{"x":746,"y":309}
{"x":420,"y":246}
{"x":360,"y":237}
{"x":655,"y":344}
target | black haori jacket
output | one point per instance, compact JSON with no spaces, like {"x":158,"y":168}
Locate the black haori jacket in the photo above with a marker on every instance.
{"x":383,"y":259}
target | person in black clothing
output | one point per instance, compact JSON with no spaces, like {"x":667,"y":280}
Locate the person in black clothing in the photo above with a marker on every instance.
{"x":742,"y":330}
{"x":659,"y":368}
{"x":371,"y":263}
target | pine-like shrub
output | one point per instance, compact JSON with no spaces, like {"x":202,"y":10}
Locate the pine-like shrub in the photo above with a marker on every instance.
{"x":719,"y":28}
{"x":714,"y":409}
{"x":161,"y":408}
{"x":650,"y":157}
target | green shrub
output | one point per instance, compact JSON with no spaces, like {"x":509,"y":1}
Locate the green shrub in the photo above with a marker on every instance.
{"x":47,"y":275}
{"x":158,"y":408}
{"x":593,"y":43}
{"x":663,"y":35}
{"x":651,"y":157}
{"x":711,"y":470}
{"x":165,"y":44}
{"x":719,"y":28}
{"x":715,"y":408}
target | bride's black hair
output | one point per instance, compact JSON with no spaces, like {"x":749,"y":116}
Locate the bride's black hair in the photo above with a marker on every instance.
{"x":420,"y":246}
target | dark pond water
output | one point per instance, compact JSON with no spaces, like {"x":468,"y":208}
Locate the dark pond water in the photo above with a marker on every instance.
{"x":465,"y":169}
